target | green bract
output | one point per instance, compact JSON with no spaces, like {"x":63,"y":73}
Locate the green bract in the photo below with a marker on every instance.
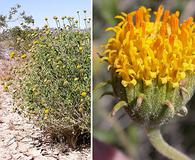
{"x":156,"y":104}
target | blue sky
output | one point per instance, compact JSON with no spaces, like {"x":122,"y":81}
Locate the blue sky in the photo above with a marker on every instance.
{"x":40,"y":9}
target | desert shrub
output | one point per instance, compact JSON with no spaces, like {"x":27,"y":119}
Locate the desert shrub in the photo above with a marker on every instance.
{"x":54,"y":83}
{"x":21,"y":39}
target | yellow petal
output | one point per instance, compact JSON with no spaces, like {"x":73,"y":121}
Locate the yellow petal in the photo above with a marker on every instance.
{"x":148,"y":82}
{"x":120,"y":17}
{"x":175,"y":84}
{"x":164,"y":80}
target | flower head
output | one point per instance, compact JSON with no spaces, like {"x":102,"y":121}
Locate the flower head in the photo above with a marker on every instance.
{"x":83,"y":94}
{"x":78,"y":66}
{"x":5,"y":88}
{"x":46,"y":111}
{"x":46,"y":26}
{"x":12,"y":54}
{"x":162,"y":50}
{"x":152,"y":64}
{"x":23,"y":56}
{"x":80,"y":49}
{"x":55,"y":17}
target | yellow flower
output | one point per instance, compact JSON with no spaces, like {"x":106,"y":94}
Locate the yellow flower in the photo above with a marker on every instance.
{"x":65,"y":82}
{"x":36,"y":42}
{"x":76,"y":79}
{"x":83,"y":94}
{"x":5,"y":88}
{"x":46,"y":111}
{"x":47,"y":32}
{"x":55,"y":17}
{"x":12,"y":54}
{"x":23,"y":56}
{"x":80,"y":49}
{"x":46,"y":26}
{"x":79,"y":66}
{"x":162,"y":50}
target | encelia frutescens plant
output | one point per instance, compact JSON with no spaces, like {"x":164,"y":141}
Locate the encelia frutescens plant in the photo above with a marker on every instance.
{"x":53,"y":86}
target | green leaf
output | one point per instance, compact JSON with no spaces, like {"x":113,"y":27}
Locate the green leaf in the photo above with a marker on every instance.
{"x":118,"y":106}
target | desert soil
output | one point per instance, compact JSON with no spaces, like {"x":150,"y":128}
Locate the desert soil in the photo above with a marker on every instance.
{"x":20,"y":139}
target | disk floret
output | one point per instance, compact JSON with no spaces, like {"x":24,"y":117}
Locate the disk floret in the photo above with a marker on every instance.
{"x":152,"y":63}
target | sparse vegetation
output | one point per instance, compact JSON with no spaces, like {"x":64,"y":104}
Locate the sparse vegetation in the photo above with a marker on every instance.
{"x":50,"y":77}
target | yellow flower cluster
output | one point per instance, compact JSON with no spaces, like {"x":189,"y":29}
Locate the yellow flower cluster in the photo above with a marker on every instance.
{"x":83,"y":94}
{"x":23,"y":56}
{"x":163,"y":50}
{"x":12,"y":54}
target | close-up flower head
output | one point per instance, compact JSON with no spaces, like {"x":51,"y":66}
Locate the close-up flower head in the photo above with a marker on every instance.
{"x":152,"y":63}
{"x":150,"y":55}
{"x":162,"y":50}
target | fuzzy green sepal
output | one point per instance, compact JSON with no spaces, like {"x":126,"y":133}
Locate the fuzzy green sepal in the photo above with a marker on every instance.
{"x":155,"y":104}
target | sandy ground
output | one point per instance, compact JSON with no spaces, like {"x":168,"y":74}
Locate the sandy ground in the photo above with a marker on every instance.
{"x":20,"y":139}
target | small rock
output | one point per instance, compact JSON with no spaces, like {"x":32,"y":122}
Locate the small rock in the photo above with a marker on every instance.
{"x":44,"y":153}
{"x":22,"y":147}
{"x":56,"y":153}
{"x":38,"y":145}
{"x":34,"y":152}
{"x":30,"y":158}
